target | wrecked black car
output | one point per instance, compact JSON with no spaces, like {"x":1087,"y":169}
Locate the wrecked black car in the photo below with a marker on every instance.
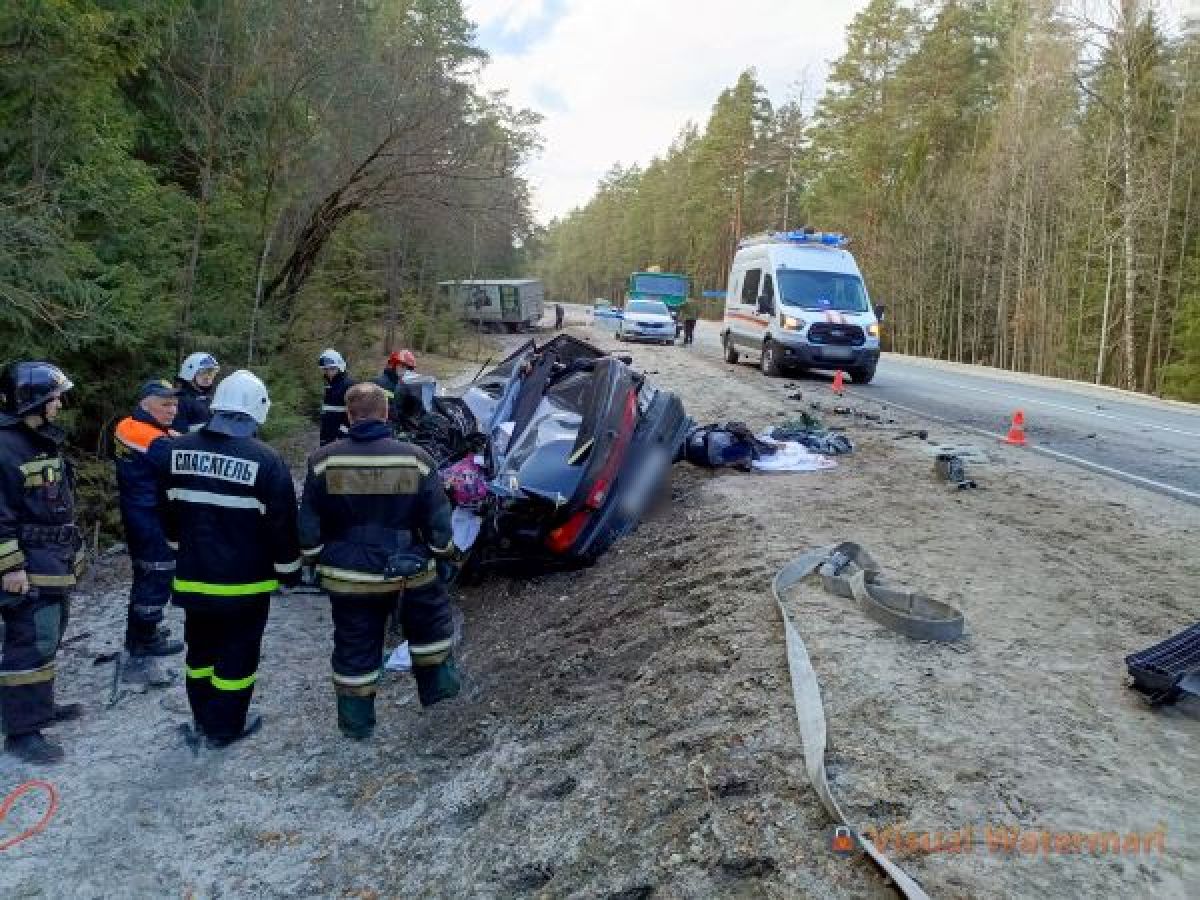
{"x":574,"y":446}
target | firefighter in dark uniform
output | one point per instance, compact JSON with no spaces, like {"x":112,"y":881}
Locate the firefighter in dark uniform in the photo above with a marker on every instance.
{"x":196,"y":381}
{"x":231,"y":506}
{"x":402,"y":399}
{"x":152,"y":557}
{"x":40,"y":556}
{"x":333,"y":406}
{"x":376,"y":519}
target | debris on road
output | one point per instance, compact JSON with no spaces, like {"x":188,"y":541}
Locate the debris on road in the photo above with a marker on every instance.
{"x":950,"y":467}
{"x":732,"y":445}
{"x":1170,"y":668}
{"x":810,"y":432}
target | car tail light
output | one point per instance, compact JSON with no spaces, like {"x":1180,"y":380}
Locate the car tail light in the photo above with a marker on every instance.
{"x":616,"y":454}
{"x":562,"y":537}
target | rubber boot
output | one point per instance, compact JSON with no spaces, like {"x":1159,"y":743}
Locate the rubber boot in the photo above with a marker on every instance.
{"x":33,"y":749}
{"x":437,"y":683}
{"x":356,"y":716}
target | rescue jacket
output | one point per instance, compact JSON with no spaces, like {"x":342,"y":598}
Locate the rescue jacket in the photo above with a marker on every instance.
{"x":137,"y":481}
{"x":334,"y":423}
{"x":389,"y":380}
{"x":230,"y":506}
{"x":193,"y":407}
{"x":37,"y":508}
{"x":374,"y":514}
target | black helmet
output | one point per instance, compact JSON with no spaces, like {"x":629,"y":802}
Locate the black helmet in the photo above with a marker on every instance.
{"x":25,"y":386}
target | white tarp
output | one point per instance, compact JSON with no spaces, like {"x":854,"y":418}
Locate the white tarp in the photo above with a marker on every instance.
{"x":791,"y":457}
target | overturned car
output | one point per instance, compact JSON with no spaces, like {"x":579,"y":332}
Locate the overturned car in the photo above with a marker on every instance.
{"x":572,"y":444}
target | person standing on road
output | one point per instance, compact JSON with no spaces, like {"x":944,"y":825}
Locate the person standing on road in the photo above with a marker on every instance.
{"x":559,"y":316}
{"x":376,"y":520}
{"x":689,"y":312}
{"x":230,"y":504}
{"x":40,"y":556}
{"x":334,"y":424}
{"x":197,"y":377}
{"x":152,"y":557}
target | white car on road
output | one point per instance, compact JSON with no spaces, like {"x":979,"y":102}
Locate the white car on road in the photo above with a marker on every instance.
{"x":646,"y":320}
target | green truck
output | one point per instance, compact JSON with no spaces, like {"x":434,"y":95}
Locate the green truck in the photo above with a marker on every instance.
{"x":668,"y":287}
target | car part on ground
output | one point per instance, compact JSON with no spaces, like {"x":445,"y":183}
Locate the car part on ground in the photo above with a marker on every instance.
{"x":1168,"y":669}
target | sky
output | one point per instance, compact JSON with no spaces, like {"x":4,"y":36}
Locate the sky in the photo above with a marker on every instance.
{"x":616,"y":80}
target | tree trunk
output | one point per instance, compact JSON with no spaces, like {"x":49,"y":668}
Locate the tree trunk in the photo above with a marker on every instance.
{"x":1104,"y":320}
{"x":1128,"y":207}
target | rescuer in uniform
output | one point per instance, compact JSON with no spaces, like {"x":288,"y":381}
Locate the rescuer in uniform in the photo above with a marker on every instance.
{"x":152,"y":557}
{"x":231,"y":506}
{"x":333,"y":407}
{"x":40,"y":556}
{"x":197,"y":378}
{"x":376,"y":519}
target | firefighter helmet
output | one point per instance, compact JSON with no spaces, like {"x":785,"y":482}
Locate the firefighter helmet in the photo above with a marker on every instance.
{"x":26,"y":386}
{"x":331,"y":359}
{"x":197,"y":363}
{"x":243,"y":392}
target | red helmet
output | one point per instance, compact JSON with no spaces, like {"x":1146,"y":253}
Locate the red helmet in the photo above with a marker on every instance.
{"x":402,"y":358}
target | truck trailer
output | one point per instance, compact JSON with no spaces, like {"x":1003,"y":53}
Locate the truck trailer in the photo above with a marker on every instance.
{"x":514,"y":304}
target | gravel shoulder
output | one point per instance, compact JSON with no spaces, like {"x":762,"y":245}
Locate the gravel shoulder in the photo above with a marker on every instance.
{"x":627,"y":730}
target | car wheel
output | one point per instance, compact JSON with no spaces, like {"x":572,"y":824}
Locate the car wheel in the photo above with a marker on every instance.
{"x":731,"y":355}
{"x":769,"y":363}
{"x":863,"y":375}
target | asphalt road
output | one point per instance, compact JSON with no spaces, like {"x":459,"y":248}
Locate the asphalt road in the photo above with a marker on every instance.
{"x":1148,"y":442}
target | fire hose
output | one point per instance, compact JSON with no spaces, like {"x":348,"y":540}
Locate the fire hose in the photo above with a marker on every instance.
{"x":847,"y":570}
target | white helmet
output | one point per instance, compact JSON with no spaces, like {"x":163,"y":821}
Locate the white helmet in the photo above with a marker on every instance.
{"x":331,"y":359}
{"x":195,"y":364}
{"x":242,"y":392}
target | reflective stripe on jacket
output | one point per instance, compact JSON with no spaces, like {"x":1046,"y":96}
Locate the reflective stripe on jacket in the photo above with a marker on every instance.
{"x":231,"y":508}
{"x":374,"y":513}
{"x":37,"y":507}
{"x":334,"y":423}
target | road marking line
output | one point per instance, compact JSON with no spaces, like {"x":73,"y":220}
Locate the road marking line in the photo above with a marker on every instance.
{"x":1181,"y":493}
{"x":1026,"y":401}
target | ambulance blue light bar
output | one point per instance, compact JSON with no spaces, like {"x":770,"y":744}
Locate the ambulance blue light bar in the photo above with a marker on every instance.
{"x":822,"y":238}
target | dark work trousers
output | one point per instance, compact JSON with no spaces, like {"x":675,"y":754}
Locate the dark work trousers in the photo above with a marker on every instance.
{"x":360,"y":622}
{"x":148,"y":596}
{"x":33,"y":627}
{"x":689,"y":330}
{"x":223,"y":646}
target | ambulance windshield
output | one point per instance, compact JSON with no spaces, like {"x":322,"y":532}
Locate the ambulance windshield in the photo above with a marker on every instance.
{"x":821,"y":290}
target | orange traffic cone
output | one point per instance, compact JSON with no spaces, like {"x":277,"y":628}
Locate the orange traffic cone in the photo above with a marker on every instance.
{"x":838,"y":385}
{"x":1016,"y":431}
